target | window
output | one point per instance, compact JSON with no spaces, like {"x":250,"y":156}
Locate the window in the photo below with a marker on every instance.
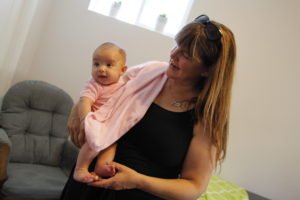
{"x":146,"y":13}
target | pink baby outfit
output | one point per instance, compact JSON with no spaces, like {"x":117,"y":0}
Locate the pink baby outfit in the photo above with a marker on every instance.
{"x":98,"y":93}
{"x":126,"y":106}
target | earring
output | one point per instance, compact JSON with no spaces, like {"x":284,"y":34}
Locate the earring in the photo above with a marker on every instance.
{"x":204,"y":74}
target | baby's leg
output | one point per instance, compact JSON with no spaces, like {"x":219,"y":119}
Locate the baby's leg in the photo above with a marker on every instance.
{"x":103,"y":167}
{"x":85,"y":157}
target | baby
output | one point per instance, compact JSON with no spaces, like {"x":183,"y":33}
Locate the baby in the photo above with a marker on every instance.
{"x":108,"y":67}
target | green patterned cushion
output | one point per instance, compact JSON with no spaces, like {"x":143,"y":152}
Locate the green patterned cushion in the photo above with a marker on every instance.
{"x":219,"y":189}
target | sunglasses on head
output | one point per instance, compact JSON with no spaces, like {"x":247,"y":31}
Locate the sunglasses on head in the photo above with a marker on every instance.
{"x":211,"y":30}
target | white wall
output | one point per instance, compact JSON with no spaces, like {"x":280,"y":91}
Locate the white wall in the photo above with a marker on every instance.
{"x":32,"y":41}
{"x":263,"y":145}
{"x":16,"y":17}
{"x":263,"y":152}
{"x":72,"y":33}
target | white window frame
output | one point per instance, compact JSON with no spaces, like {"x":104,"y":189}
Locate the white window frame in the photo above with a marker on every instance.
{"x":149,"y":22}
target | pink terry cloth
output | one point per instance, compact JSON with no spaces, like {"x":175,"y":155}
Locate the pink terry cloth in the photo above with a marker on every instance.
{"x":127,"y":106}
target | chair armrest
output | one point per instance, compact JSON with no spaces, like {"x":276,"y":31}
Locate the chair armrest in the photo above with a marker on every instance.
{"x":69,"y":157}
{"x":1,"y":100}
{"x":5,"y":145}
{"x":4,"y":139}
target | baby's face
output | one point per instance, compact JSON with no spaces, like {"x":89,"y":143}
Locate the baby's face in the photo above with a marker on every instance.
{"x":108,"y":65}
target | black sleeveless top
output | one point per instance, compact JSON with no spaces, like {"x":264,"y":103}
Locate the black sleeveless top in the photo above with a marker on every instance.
{"x":156,"y":146}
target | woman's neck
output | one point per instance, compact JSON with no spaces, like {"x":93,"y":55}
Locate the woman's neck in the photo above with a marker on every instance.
{"x":181,"y":90}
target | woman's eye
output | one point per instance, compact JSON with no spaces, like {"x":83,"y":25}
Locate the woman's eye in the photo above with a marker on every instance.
{"x":186,"y":56}
{"x":109,"y":65}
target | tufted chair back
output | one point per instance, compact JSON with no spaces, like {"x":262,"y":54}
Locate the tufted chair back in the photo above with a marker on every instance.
{"x":34,"y":115}
{"x":36,"y":156}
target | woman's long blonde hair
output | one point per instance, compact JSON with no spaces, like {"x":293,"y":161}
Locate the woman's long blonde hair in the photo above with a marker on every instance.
{"x":213,"y":103}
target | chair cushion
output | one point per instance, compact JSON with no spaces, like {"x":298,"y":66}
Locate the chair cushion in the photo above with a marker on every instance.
{"x":34,"y":181}
{"x":34,"y":115}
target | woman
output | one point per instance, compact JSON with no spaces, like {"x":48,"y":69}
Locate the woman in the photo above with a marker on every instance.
{"x":171,"y":152}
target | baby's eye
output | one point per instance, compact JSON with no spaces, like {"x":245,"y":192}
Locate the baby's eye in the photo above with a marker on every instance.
{"x":96,"y":64}
{"x":108,"y":64}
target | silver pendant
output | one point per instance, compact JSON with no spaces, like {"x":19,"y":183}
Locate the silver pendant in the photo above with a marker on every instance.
{"x":176,"y":104}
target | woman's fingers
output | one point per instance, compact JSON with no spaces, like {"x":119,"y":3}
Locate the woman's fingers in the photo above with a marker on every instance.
{"x":74,"y":135}
{"x":73,"y":139}
{"x":125,"y":178}
{"x":74,"y":125}
{"x":122,"y":168}
{"x":81,"y":138}
{"x":109,"y":183}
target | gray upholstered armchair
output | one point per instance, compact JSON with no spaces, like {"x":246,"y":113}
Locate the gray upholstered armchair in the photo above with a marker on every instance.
{"x":36,"y":156}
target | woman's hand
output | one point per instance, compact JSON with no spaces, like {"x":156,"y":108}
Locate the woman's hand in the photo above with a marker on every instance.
{"x":124,"y":179}
{"x":76,"y":135}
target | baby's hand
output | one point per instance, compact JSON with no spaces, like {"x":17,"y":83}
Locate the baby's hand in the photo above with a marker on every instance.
{"x":125,"y":79}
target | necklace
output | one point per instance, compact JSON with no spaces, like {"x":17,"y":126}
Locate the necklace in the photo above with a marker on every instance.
{"x":179,"y":104}
{"x":183,"y":103}
{"x":176,"y":103}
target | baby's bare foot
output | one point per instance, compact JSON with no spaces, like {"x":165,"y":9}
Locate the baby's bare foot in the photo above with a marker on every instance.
{"x":83,"y":175}
{"x":105,"y":170}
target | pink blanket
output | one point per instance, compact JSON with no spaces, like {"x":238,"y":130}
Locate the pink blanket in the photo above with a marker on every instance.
{"x":127,"y":106}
